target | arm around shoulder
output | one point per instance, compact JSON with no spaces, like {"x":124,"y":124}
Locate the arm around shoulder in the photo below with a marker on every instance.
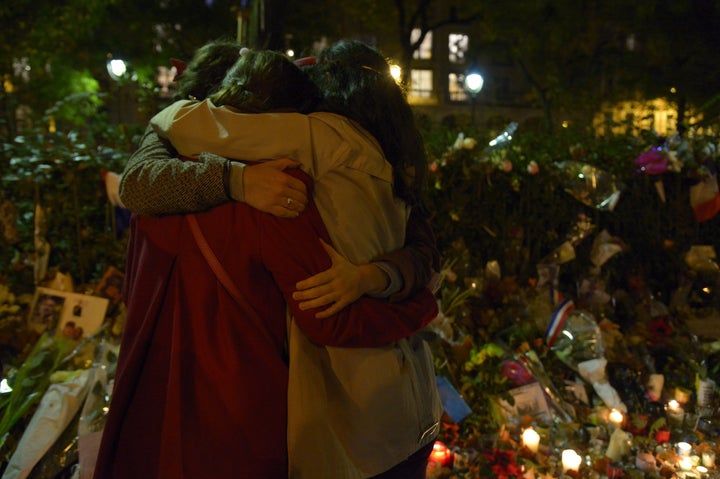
{"x":157,"y":182}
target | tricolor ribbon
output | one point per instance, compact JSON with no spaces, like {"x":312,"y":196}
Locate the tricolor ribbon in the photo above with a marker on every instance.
{"x":557,"y":321}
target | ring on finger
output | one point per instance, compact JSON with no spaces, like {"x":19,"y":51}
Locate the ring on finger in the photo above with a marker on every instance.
{"x":289,"y":202}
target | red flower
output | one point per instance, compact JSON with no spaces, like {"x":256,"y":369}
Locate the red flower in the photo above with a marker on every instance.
{"x":660,"y":329}
{"x":502,"y":462}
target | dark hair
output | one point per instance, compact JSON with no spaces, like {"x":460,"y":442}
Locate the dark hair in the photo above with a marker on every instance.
{"x":204,"y":73}
{"x":355,"y":82}
{"x":262,"y":81}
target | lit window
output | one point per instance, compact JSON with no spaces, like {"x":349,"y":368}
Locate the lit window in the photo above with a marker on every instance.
{"x":421,"y":83}
{"x":424,"y":51}
{"x":457,"y":47}
{"x":456,"y":88}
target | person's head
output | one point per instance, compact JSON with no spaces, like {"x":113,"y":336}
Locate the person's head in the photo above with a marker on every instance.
{"x":205,"y":72}
{"x":263,"y":81}
{"x":355,"y":82}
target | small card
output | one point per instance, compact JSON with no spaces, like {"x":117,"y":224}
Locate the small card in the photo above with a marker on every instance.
{"x":73,"y":314}
{"x":453,"y":403}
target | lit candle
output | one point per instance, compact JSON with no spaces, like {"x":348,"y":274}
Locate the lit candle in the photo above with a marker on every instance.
{"x":675,"y":413}
{"x":673,"y":406}
{"x":571,"y":460}
{"x":441,"y":454}
{"x":616,"y":419}
{"x":531,"y":439}
{"x":685,"y":463}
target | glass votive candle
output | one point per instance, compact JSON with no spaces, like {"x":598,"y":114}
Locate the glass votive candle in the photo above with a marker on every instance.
{"x":708,"y":459}
{"x":675,"y":414}
{"x":685,"y":463}
{"x":703,"y":471}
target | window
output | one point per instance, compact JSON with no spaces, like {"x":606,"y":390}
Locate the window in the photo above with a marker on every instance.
{"x":421,"y":83}
{"x":456,"y":87}
{"x":457,"y":47}
{"x":424,"y":51}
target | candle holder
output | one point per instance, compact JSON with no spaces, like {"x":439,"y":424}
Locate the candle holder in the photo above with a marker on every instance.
{"x":675,"y":414}
{"x":708,"y":459}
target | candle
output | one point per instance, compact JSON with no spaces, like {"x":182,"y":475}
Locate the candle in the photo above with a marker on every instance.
{"x":708,"y":459}
{"x":675,"y":414}
{"x":685,"y":463}
{"x":441,"y":454}
{"x":616,"y":419}
{"x":684,"y":448}
{"x":531,"y":439}
{"x":571,"y":460}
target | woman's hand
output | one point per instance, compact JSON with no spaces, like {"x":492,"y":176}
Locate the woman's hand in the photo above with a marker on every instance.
{"x":340,"y":285}
{"x":268,"y":188}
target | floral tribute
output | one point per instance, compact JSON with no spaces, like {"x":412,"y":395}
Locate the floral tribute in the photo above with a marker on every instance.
{"x":580,"y":303}
{"x":562,"y":318}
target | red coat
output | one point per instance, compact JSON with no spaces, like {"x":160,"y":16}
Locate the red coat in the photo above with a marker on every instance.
{"x":200,"y":392}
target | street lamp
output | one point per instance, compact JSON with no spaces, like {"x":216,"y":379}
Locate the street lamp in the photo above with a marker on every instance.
{"x":122,"y":106}
{"x":473,"y":84}
{"x":116,"y":68}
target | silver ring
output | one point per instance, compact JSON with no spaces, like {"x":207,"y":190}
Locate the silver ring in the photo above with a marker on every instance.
{"x":289,"y":201}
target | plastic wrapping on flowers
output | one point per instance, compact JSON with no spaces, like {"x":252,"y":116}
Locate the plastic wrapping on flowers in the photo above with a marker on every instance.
{"x":53,"y":359}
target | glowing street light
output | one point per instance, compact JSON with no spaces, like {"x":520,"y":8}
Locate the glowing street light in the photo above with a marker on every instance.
{"x":116,"y":68}
{"x":473,"y":84}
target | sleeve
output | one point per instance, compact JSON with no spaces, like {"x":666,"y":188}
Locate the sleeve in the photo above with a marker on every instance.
{"x":292,"y":251}
{"x":194,"y":127}
{"x":418,"y":260}
{"x":156,"y":182}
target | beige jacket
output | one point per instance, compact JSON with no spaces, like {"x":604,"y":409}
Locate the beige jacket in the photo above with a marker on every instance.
{"x":353,"y":181}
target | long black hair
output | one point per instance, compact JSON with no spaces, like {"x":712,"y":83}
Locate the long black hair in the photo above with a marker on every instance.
{"x":355,"y":81}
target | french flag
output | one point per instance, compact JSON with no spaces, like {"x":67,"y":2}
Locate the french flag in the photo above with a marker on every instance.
{"x":705,"y":195}
{"x":558,"y":320}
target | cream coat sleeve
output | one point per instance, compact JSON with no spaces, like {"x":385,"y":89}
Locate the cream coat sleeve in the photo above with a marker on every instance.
{"x":196,"y":127}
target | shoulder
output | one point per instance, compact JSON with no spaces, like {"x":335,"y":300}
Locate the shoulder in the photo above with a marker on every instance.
{"x":356,"y":149}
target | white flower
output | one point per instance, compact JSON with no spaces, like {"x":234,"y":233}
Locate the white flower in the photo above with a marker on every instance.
{"x":459,"y":141}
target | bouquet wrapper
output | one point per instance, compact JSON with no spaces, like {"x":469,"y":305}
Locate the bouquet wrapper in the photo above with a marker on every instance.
{"x":93,"y":415}
{"x":57,"y":408}
{"x":574,"y":335}
{"x":576,"y":338}
{"x":590,"y":185}
{"x":593,"y":371}
{"x":619,"y":445}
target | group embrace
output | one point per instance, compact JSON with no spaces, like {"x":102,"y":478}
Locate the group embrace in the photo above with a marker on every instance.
{"x":278,"y":273}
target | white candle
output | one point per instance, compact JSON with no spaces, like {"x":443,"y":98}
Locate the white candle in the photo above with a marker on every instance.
{"x":571,"y":460}
{"x":531,"y":439}
{"x":684,"y":448}
{"x":685,"y":463}
{"x":708,"y":459}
